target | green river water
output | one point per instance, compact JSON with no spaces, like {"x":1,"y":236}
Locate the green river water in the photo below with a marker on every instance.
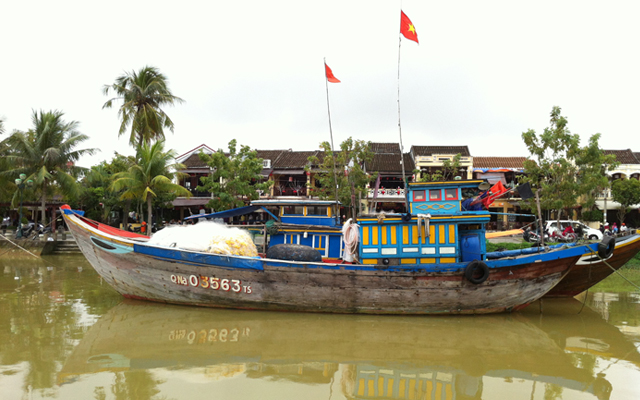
{"x":65,"y":334}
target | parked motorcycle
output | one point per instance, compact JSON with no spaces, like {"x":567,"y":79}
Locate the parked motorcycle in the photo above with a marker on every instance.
{"x":532,"y":236}
{"x":564,"y":237}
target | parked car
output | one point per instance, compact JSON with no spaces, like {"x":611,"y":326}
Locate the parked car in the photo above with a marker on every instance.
{"x":587,"y":232}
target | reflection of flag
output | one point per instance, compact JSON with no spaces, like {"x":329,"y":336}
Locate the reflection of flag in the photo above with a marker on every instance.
{"x":407,"y":28}
{"x":329,"y":74}
{"x":496,"y":191}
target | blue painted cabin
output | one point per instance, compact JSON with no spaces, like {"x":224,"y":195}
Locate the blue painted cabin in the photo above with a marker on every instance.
{"x":311,"y":223}
{"x":437,"y":231}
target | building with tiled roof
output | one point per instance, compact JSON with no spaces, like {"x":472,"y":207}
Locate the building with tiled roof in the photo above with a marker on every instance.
{"x":430,"y":159}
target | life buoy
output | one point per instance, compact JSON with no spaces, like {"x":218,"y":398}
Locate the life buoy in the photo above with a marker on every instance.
{"x":476,"y":272}
{"x":606,"y":247}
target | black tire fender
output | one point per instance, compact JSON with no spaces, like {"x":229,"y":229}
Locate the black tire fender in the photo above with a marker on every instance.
{"x":606,"y":246}
{"x":476,"y":272}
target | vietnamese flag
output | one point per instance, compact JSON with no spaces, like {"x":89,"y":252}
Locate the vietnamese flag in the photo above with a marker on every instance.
{"x":407,"y":28}
{"x":329,"y":74}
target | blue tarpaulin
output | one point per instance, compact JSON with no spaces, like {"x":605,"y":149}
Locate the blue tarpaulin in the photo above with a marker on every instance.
{"x":226,"y":214}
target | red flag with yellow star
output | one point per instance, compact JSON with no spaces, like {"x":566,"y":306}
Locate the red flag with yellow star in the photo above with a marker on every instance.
{"x":406,"y":27}
{"x":329,"y":74}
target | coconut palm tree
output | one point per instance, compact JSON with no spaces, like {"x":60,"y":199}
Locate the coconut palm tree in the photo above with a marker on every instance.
{"x":143,"y":93}
{"x":150,"y":176}
{"x":47,"y":154}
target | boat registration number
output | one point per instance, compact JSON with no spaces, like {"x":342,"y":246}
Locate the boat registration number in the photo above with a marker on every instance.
{"x":211,"y":282}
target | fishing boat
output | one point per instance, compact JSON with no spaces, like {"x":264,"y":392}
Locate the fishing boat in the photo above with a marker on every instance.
{"x":430,"y":260}
{"x":592,"y":268}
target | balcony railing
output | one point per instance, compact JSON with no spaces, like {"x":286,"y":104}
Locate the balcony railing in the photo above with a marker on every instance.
{"x":382,"y":192}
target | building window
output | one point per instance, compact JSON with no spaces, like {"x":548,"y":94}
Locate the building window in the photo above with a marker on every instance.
{"x":435,"y":195}
{"x":266,"y":163}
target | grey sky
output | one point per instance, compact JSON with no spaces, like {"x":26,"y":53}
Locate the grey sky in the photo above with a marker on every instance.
{"x":483,"y":72}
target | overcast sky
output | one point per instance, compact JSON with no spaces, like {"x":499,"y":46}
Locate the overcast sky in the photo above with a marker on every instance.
{"x":483,"y":73}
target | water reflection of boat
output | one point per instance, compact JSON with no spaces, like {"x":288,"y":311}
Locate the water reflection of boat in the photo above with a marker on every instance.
{"x":591,"y":269}
{"x":370,"y":356}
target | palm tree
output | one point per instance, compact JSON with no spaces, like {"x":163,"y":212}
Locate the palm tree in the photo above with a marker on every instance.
{"x":150,"y":176}
{"x":47,"y":154}
{"x":142,"y":94}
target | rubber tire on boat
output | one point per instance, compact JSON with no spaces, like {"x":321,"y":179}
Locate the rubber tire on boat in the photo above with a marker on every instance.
{"x":293,"y":252}
{"x":472,"y":269}
{"x":605,"y":248}
{"x":406,"y":217}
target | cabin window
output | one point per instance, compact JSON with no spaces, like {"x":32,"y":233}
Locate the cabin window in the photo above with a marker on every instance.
{"x":418,"y":195}
{"x":321,"y":211}
{"x":451,"y":194}
{"x":435,"y":195}
{"x":293,"y":210}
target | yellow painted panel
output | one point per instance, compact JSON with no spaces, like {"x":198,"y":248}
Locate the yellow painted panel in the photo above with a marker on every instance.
{"x":370,"y":261}
{"x":380,"y":387}
{"x":401,"y":388}
{"x":447,"y":260}
{"x":394,"y":239}
{"x":414,"y":234}
{"x":452,"y":233}
{"x":370,"y":388}
{"x":374,"y":235}
{"x":361,"y":387}
{"x":407,"y":261}
{"x":384,"y":235}
{"x":448,"y":392}
{"x":441,"y":234}
{"x":405,"y":234}
{"x":438,"y":390}
{"x":412,"y":389}
{"x":429,"y":391}
{"x":365,"y":235}
{"x":432,"y":234}
{"x":427,"y":261}
{"x":390,"y":387}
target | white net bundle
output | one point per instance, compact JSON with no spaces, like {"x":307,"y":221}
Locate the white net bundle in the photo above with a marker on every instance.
{"x":210,"y":237}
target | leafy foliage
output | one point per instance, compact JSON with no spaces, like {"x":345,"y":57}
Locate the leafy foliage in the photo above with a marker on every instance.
{"x":47,"y":155}
{"x":349,"y":171}
{"x":560,"y":168}
{"x":626,"y":192}
{"x":150,"y":176}
{"x":235,"y":179}
{"x":142,"y":93}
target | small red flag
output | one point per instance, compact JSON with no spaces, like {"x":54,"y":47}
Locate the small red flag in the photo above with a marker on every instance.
{"x":407,"y":28}
{"x":496,"y":191}
{"x":329,"y":74}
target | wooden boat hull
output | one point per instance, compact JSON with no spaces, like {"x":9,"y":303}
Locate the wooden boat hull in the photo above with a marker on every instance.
{"x":162,"y":274}
{"x":591,"y":269}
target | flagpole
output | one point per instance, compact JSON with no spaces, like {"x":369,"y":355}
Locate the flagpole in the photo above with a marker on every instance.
{"x":335,"y":178}
{"x":404,"y":180}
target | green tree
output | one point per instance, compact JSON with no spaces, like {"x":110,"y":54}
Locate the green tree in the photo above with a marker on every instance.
{"x":235,"y":178}
{"x":151,"y":175}
{"x":349,"y":171}
{"x":563,"y":171}
{"x":142,"y":93}
{"x":626,"y":192}
{"x":47,"y":154}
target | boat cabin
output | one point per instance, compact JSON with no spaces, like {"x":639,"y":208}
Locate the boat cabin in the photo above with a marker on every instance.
{"x":436,"y":231}
{"x":313,"y":223}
